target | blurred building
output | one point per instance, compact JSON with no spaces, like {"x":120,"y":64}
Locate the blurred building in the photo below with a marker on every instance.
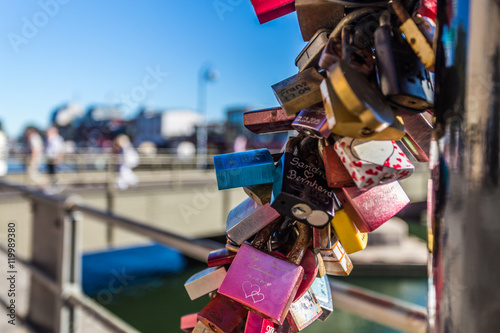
{"x":166,"y":128}
{"x":99,"y":125}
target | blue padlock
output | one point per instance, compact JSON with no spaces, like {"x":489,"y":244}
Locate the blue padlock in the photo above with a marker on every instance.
{"x":242,"y":169}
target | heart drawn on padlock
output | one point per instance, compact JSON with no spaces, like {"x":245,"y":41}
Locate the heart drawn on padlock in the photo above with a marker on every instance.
{"x":252,"y":290}
{"x":308,"y":174}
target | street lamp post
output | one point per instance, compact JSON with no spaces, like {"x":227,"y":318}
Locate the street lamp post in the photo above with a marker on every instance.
{"x":206,"y":74}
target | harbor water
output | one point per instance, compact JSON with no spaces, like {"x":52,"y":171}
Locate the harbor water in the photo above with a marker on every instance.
{"x":157,"y":304}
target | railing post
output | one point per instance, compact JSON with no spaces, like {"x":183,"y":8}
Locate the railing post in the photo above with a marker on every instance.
{"x":110,"y":197}
{"x":465,"y":194}
{"x":55,"y":251}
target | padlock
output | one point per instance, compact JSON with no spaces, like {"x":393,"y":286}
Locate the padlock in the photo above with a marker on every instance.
{"x":310,"y":265}
{"x":359,"y":97}
{"x":309,"y":56}
{"x":321,"y":266}
{"x":335,"y":49}
{"x":403,"y":79}
{"x":361,"y":59}
{"x":230,"y":246}
{"x":347,"y":233}
{"x":418,"y":134}
{"x":414,"y":36}
{"x":223,"y":315}
{"x":262,"y":239}
{"x":246,"y":219}
{"x":322,"y":238}
{"x":337,"y":175}
{"x":220,"y":257}
{"x":201,"y":328}
{"x":312,"y":122}
{"x":307,"y":149}
{"x":306,"y":258}
{"x":427,"y":27}
{"x":188,"y":322}
{"x":261,"y":193}
{"x":336,"y":260}
{"x":205,"y":281}
{"x":396,"y":131}
{"x":323,"y":293}
{"x":246,"y":168}
{"x":373,"y":162}
{"x":331,"y":53}
{"x":257,"y":324}
{"x":265,"y":284}
{"x":270,"y":120}
{"x":344,"y":123}
{"x":314,"y":15}
{"x":299,"y":91}
{"x":301,"y":192}
{"x":268,"y":10}
{"x":303,"y":312}
{"x":371,"y":208}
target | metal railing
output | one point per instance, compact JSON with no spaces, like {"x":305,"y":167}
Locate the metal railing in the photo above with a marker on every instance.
{"x":62,"y":278}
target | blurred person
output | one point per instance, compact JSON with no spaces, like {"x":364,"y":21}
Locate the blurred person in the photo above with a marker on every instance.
{"x":54,"y":152}
{"x":127,"y":159}
{"x":34,"y":154}
{"x":4,"y":152}
{"x":240,"y":143}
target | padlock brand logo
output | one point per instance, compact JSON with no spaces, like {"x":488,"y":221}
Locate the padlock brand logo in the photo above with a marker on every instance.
{"x":252,"y":290}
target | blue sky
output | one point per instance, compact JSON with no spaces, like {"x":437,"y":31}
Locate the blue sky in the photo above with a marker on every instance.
{"x":89,"y":51}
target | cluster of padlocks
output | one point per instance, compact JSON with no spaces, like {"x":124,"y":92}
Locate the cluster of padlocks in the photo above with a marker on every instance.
{"x":358,"y":103}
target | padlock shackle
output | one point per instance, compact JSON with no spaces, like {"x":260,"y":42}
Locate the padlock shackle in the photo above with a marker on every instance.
{"x":351,"y":18}
{"x":292,"y":143}
{"x":301,"y":243}
{"x":261,"y":240}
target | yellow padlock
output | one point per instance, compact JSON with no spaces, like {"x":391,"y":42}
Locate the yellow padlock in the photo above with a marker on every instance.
{"x":351,"y":238}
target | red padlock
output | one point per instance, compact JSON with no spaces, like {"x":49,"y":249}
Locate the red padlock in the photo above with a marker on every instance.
{"x":268,"y":10}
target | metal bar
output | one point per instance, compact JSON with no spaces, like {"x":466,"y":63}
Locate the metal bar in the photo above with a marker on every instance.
{"x":41,"y":276}
{"x":76,"y":299}
{"x":379,"y":308}
{"x":195,"y":248}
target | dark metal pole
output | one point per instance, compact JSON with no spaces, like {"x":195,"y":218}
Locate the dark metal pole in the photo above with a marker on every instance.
{"x":464,"y":288}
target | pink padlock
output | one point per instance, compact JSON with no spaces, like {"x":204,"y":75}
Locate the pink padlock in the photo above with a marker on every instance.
{"x":257,"y":324}
{"x":268,"y":10}
{"x":371,"y":208}
{"x":263,"y":283}
{"x":371,"y":163}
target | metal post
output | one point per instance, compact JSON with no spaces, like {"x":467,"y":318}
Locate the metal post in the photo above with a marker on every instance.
{"x":464,"y":196}
{"x":206,"y":74}
{"x":110,"y":198}
{"x":54,"y":252}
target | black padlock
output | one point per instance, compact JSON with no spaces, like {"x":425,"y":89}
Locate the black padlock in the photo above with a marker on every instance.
{"x":301,"y":191}
{"x":403,"y":79}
